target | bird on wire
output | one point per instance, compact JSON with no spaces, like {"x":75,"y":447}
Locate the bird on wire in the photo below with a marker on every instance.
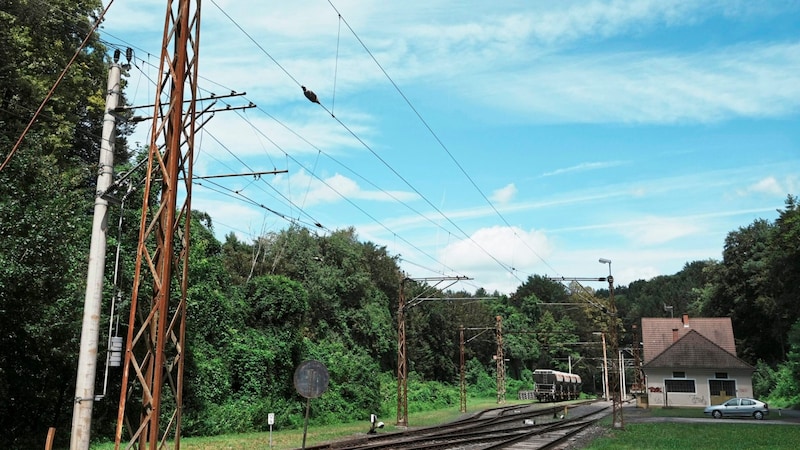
{"x":310,"y":95}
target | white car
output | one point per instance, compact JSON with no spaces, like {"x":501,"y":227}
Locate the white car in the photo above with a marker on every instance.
{"x":739,"y":407}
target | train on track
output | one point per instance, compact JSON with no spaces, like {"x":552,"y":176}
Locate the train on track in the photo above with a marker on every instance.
{"x":555,"y":386}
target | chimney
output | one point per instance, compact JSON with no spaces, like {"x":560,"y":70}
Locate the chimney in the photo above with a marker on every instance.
{"x":674,"y":335}
{"x":685,"y":321}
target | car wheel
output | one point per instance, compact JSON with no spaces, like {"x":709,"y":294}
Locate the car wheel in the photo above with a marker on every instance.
{"x":717,"y":414}
{"x":758,"y":415}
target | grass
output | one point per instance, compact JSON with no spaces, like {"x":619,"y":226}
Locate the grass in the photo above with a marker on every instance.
{"x":701,"y":435}
{"x":292,"y":439}
{"x":668,"y":435}
{"x":656,"y":436}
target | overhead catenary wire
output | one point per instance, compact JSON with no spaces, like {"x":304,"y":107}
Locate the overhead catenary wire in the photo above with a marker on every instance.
{"x":358,"y":138}
{"x":352,"y":133}
{"x":315,"y":225}
{"x":439,"y":141}
{"x":509,"y":268}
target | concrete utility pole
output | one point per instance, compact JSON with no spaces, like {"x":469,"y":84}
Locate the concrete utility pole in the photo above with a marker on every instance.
{"x":90,"y":331}
{"x":605,"y":366}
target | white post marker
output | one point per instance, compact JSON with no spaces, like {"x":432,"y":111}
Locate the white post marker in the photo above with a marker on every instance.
{"x":271,"y":422}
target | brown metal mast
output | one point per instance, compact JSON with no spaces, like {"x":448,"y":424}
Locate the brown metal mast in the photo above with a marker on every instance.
{"x":402,"y":360}
{"x":402,"y":368}
{"x":462,"y":370}
{"x":501,"y":362}
{"x":152,"y":381}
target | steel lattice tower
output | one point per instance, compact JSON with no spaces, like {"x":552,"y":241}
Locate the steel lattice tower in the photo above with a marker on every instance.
{"x":152,"y":380}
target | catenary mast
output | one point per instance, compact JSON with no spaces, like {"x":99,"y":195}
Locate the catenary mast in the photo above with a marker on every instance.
{"x":152,"y":381}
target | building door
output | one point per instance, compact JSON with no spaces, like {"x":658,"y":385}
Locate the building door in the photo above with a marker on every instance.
{"x":721,"y":390}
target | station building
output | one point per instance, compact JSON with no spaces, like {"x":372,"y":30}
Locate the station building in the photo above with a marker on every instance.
{"x":692,"y":362}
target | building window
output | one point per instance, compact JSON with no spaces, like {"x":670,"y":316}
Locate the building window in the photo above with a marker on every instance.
{"x":678,"y":374}
{"x":721,"y":375}
{"x":686,"y":386}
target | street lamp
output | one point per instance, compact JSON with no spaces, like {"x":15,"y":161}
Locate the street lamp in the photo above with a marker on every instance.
{"x":606,"y":261}
{"x":618,"y":420}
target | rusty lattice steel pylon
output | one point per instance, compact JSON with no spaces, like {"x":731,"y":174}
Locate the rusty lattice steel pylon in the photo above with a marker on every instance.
{"x":152,"y":381}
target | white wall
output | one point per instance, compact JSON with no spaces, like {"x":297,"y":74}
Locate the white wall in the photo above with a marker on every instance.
{"x":701,"y":397}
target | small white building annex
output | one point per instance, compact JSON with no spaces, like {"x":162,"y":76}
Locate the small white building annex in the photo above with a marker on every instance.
{"x":692,"y":362}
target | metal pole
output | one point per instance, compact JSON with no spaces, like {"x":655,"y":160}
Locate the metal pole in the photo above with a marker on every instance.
{"x":501,"y":363}
{"x":402,"y":369}
{"x":90,"y":330}
{"x":618,"y":421}
{"x":462,"y":370}
{"x":155,"y":349}
{"x":305,"y":423}
{"x":605,"y":367}
{"x":621,"y":375}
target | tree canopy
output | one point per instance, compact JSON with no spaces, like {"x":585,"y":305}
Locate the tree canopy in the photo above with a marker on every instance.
{"x":257,"y":309}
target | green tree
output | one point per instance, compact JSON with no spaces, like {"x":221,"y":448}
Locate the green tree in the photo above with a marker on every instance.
{"x":743,"y":292}
{"x":783,"y":277}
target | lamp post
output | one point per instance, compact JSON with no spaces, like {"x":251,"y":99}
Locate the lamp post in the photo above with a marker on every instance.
{"x":618,"y":420}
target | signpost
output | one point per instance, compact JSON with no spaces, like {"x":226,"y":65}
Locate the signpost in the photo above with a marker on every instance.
{"x":271,"y":422}
{"x":310,"y":380}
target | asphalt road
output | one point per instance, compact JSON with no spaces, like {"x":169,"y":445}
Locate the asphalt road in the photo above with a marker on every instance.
{"x":634,"y":414}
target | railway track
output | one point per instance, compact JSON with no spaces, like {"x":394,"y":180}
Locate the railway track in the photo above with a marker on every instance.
{"x":517,"y":427}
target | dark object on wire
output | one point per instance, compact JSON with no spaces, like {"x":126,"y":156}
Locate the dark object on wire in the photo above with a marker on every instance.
{"x":310,"y":94}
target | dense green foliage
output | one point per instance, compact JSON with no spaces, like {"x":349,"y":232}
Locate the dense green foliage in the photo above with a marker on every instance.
{"x":257,"y":309}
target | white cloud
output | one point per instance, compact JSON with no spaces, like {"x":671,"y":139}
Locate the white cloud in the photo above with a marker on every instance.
{"x":771,"y":186}
{"x":306,"y":190}
{"x":768,"y":185}
{"x":505,"y":194}
{"x":654,"y":230}
{"x":510,"y":246}
{"x":479,"y":61}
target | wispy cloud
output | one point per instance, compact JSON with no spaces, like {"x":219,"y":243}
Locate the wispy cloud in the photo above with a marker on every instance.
{"x":584,"y":167}
{"x":772,"y":186}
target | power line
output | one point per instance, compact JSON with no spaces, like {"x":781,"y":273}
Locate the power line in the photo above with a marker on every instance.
{"x":506,"y":267}
{"x":55,"y":86}
{"x":439,"y":141}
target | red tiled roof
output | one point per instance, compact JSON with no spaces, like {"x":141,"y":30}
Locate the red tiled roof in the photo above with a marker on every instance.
{"x":695,"y":351}
{"x":658,"y":334}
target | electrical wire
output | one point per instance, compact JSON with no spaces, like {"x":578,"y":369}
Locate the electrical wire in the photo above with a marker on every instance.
{"x":55,"y":86}
{"x":443,"y":146}
{"x":505,"y":266}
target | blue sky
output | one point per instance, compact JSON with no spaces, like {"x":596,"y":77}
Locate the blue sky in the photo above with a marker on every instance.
{"x":496,"y":140}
